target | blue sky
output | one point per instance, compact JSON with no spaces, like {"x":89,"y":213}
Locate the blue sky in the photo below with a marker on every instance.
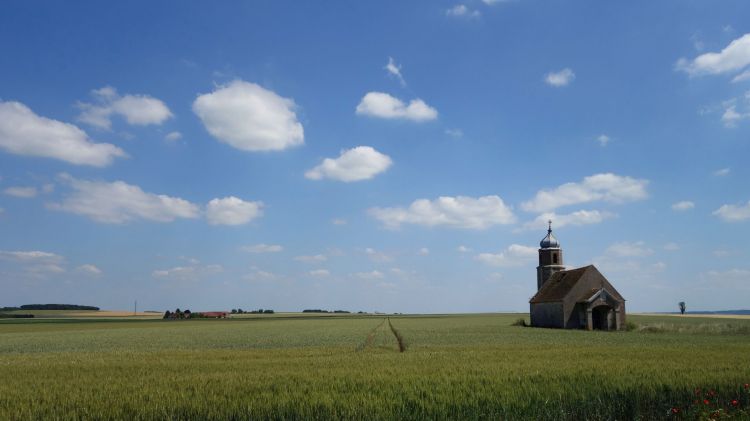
{"x":376,"y":156}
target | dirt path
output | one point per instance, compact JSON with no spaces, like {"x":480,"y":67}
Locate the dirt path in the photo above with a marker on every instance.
{"x":386,"y":333}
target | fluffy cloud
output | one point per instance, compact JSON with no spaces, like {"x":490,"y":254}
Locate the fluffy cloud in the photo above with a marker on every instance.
{"x":603,"y":139}
{"x":22,"y":192}
{"x":742,"y":77}
{"x":626,"y":249}
{"x":188,"y":273}
{"x":138,"y":110}
{"x":118,"y":202}
{"x":319,"y":273}
{"x":424,"y":251}
{"x":733,"y":213}
{"x":460,"y":10}
{"x":356,"y":164}
{"x":683,"y":205}
{"x":514,"y":255}
{"x":377,"y":256}
{"x":318,"y":258}
{"x":581,"y":217}
{"x":456,"y":212}
{"x":373,"y":275}
{"x":89,"y":269}
{"x":463,"y":249}
{"x":173,"y":136}
{"x":263,"y":248}
{"x":395,"y":70}
{"x":722,"y":172}
{"x":382,"y":105}
{"x":606,"y":187}
{"x":24,"y":133}
{"x":732,"y":58}
{"x":250,"y":117}
{"x":35,"y":263}
{"x":730,"y":280}
{"x":232,"y":211}
{"x":561,"y":78}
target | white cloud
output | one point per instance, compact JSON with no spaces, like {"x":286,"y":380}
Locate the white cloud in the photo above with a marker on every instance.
{"x":250,"y":117}
{"x":731,"y":117}
{"x":461,"y":11}
{"x":395,"y":70}
{"x":603,"y":140}
{"x":48,"y":188}
{"x":232,"y":211}
{"x":731,"y":280}
{"x":722,"y":172}
{"x":382,"y":105}
{"x":742,"y":77}
{"x":456,"y":212}
{"x":263,"y":248}
{"x":581,"y":217}
{"x":317,"y":258}
{"x":463,"y":249}
{"x":377,"y":256}
{"x":561,"y":78}
{"x":514,"y":255}
{"x":733,"y":57}
{"x":319,"y":273}
{"x":119,"y":202}
{"x":455,"y":133}
{"x":606,"y":187}
{"x":260,"y":275}
{"x":184,"y":273}
{"x":671,"y":246}
{"x":370,"y":275}
{"x":491,"y":2}
{"x":24,"y":133}
{"x":89,"y":269}
{"x":173,"y":136}
{"x":35,"y":263}
{"x":627,"y":249}
{"x":356,"y":164}
{"x":22,"y":192}
{"x":138,"y":110}
{"x":733,"y":213}
{"x":683,"y":205}
{"x":424,"y":251}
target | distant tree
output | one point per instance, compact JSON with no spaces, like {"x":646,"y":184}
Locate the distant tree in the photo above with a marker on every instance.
{"x":239,"y":311}
{"x":187,"y":314}
{"x":682,"y":307}
{"x":167,"y":314}
{"x":234,"y":311}
{"x":267,"y":311}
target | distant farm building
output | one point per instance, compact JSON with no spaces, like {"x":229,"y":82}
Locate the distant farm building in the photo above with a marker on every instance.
{"x":580,"y":298}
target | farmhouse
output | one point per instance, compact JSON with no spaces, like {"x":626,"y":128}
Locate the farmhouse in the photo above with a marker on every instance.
{"x":580,"y":298}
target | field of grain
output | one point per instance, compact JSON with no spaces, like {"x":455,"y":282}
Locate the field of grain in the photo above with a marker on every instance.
{"x":371,"y":367}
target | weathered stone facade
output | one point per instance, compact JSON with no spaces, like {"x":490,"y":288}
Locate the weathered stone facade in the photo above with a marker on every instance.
{"x":579,"y":298}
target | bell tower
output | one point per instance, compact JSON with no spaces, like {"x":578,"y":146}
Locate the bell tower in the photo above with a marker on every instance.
{"x":550,"y":258}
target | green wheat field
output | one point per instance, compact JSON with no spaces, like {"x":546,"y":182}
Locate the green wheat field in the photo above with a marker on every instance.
{"x":288,"y":366}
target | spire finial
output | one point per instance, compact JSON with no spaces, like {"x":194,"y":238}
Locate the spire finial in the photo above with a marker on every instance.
{"x":549,"y":230}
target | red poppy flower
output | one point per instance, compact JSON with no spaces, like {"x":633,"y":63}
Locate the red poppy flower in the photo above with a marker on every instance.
{"x":705,"y":402}
{"x":734,"y":402}
{"x":675,"y":410}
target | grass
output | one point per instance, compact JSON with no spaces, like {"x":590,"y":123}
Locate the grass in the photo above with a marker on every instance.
{"x":349,"y":366}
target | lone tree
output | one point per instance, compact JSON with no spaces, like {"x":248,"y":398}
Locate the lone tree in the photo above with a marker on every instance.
{"x":682,"y":307}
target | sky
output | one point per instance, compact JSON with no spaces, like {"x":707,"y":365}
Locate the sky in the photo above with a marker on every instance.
{"x":372,"y":156}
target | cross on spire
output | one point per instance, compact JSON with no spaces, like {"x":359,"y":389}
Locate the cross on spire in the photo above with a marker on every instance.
{"x":549,"y":230}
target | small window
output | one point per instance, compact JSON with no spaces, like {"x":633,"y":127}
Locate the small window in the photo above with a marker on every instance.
{"x":554,"y":258}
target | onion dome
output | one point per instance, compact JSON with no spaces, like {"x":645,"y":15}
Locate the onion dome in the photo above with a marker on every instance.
{"x":549,"y":241}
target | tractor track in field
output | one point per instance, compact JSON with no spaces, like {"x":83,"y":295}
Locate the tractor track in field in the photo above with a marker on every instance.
{"x":370,"y":339}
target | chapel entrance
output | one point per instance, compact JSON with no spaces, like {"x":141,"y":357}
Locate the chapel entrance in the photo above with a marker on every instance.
{"x":601,"y":317}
